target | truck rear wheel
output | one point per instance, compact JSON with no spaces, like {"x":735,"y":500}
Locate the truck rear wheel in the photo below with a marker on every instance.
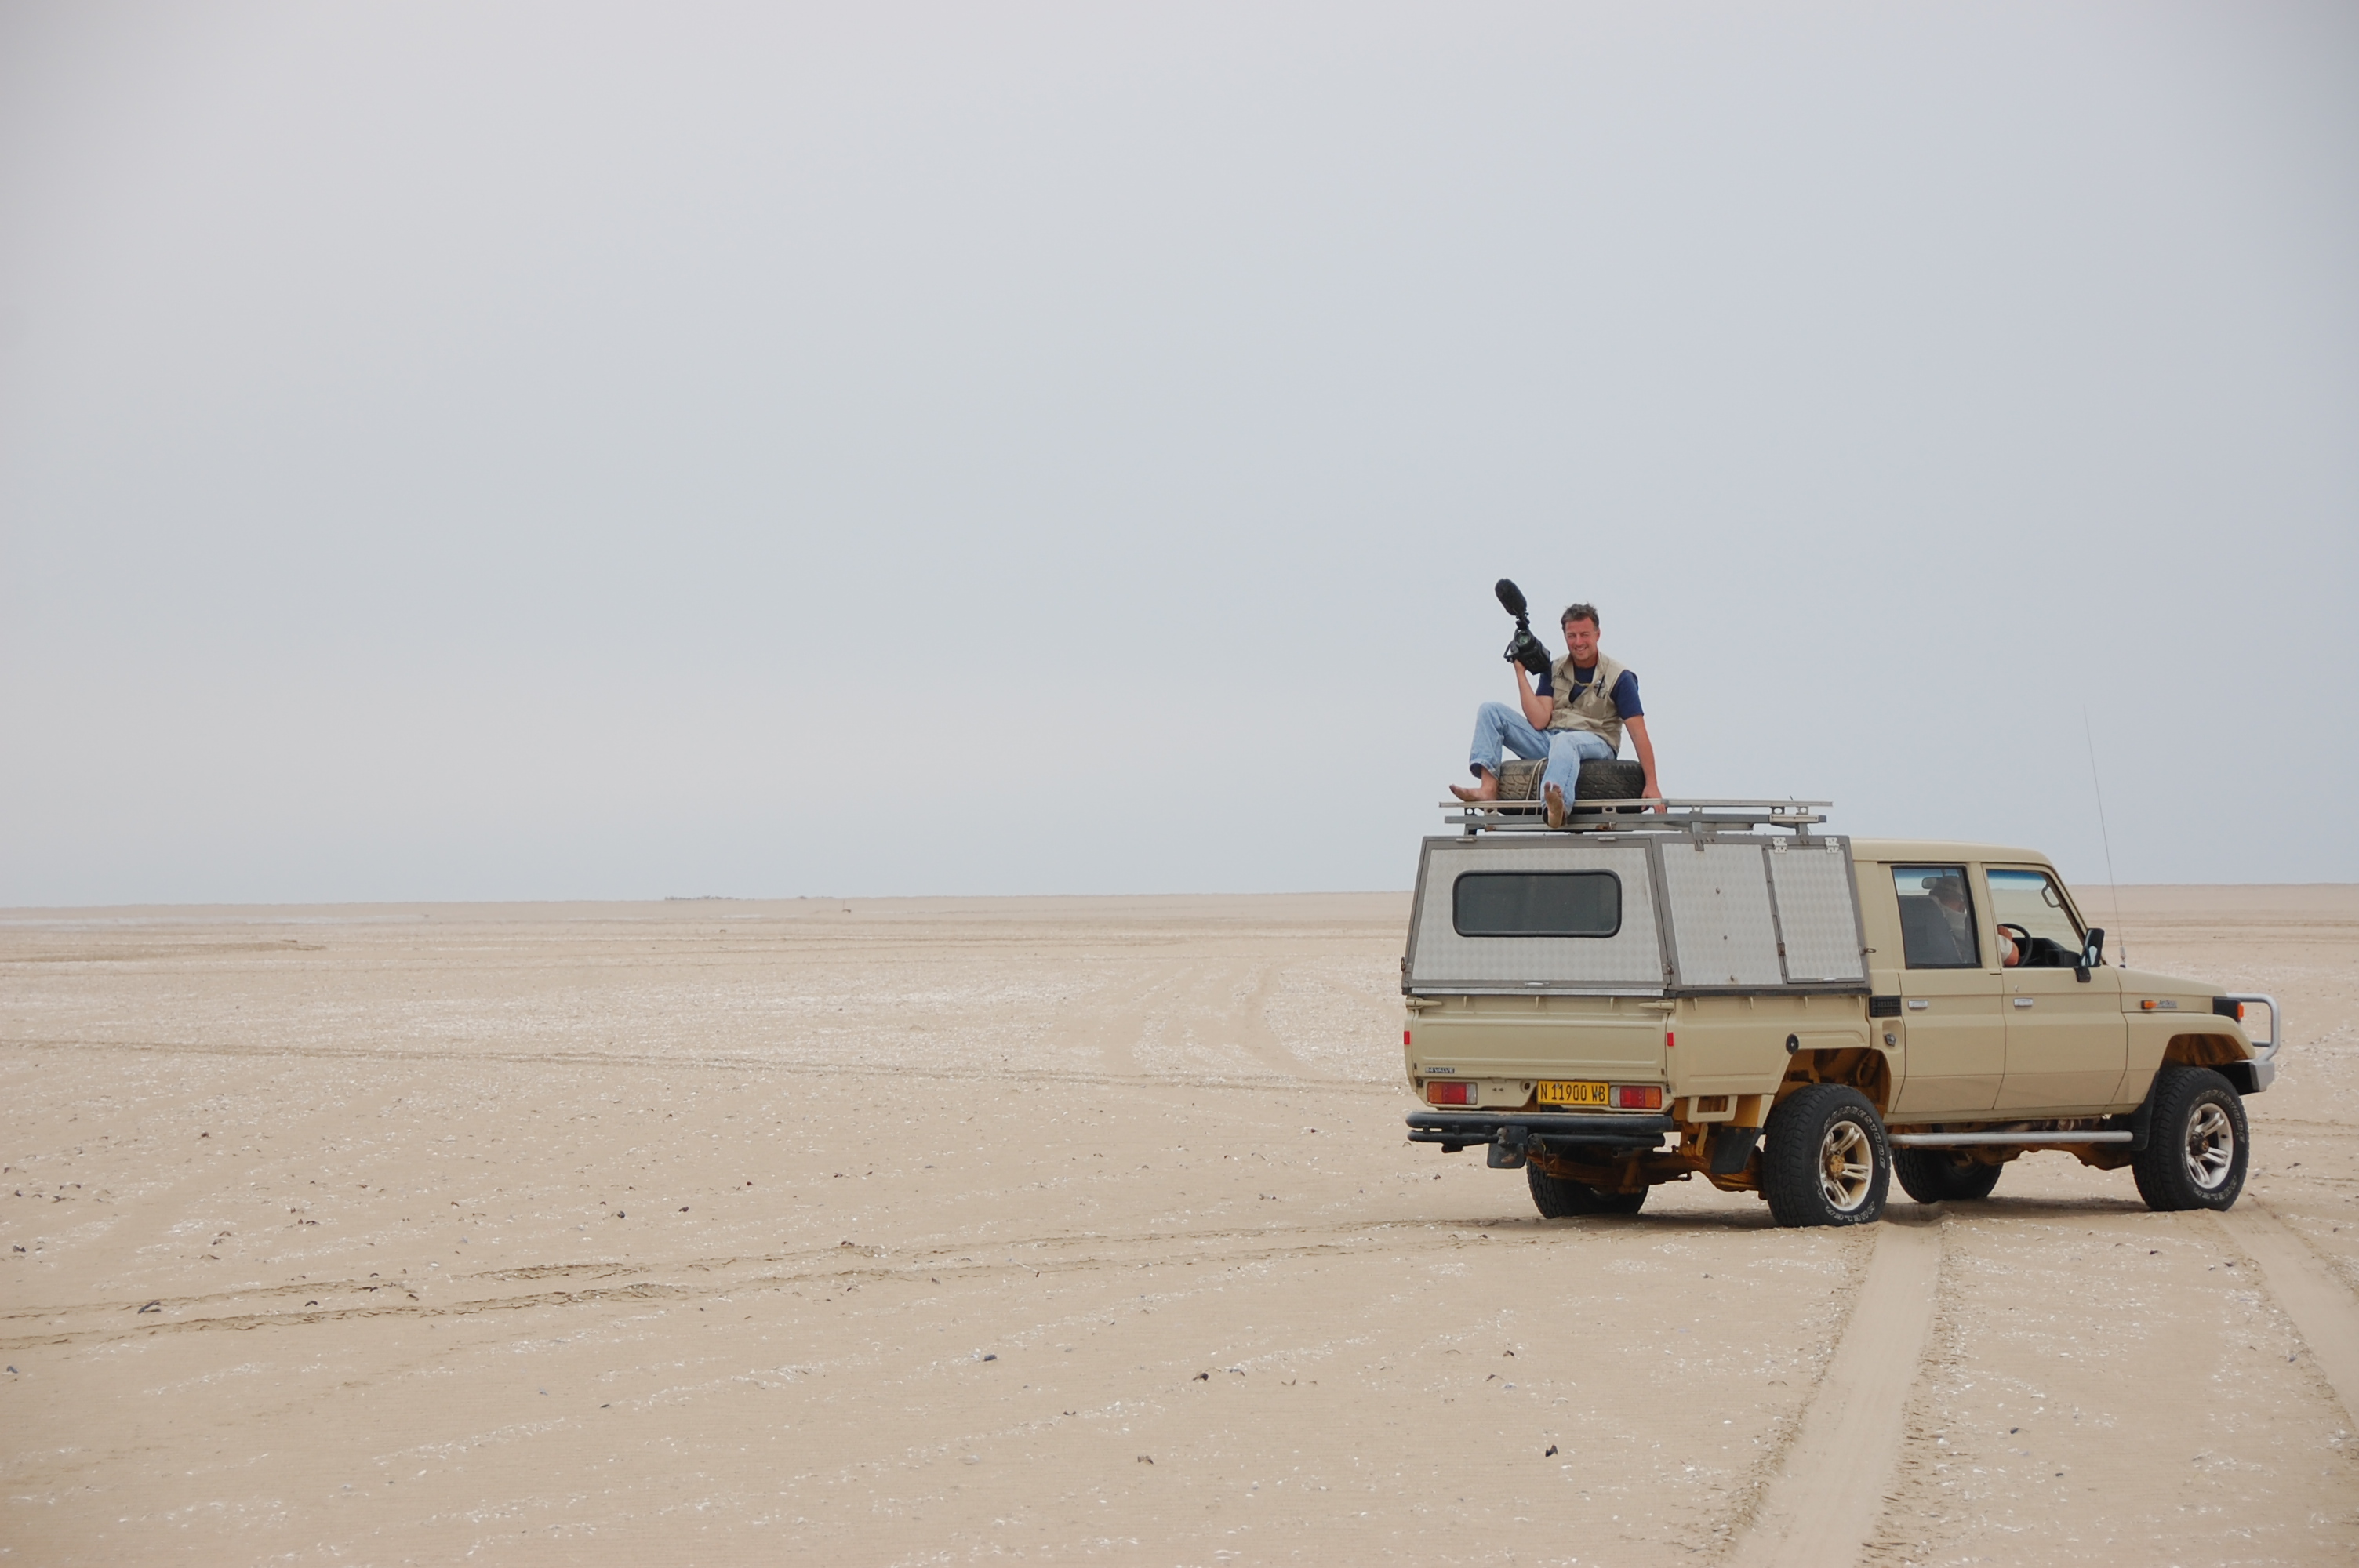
{"x":2195,"y":1151}
{"x":1827,"y":1162}
{"x":1561,"y":1197}
{"x":1934,"y":1175}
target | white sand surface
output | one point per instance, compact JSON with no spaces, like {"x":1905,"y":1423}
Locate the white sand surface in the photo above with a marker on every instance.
{"x":1065,"y":1230}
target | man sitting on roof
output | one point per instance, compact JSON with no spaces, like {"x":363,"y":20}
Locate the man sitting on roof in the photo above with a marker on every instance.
{"x":1576,"y":714}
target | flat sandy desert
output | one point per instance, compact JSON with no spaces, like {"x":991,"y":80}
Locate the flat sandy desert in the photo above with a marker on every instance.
{"x":1059,"y":1231}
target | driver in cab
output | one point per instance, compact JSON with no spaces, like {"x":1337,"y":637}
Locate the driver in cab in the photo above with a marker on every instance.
{"x":1949,"y":898}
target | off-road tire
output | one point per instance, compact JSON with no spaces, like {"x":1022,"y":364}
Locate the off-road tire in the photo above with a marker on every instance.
{"x":2197,"y":1144}
{"x":1561,"y":1197}
{"x":1609,"y":780}
{"x":1934,"y":1175}
{"x":1519,"y":779}
{"x":1812,"y":1171}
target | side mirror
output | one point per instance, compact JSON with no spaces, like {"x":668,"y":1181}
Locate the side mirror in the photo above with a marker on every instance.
{"x":2092,"y":952}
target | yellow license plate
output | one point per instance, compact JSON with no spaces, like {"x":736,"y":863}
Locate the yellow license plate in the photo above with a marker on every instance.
{"x":1573,"y":1094}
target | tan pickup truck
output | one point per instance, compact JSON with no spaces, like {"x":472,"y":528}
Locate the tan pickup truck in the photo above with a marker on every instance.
{"x":1719,"y":990}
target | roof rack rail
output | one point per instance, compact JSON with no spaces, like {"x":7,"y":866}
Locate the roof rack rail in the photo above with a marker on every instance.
{"x":1693,"y":817}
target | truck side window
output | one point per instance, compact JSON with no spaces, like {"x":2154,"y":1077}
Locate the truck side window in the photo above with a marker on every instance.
{"x":2031,"y":900}
{"x":1937,"y":917}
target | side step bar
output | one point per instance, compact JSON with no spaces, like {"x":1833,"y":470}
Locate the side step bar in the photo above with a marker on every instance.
{"x":1964,"y":1140}
{"x":1545,"y":1133}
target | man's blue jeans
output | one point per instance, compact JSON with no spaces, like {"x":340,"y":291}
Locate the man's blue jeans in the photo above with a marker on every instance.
{"x":1496,"y":725}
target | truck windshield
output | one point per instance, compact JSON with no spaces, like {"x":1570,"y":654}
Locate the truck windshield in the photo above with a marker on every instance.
{"x":1537,"y":903}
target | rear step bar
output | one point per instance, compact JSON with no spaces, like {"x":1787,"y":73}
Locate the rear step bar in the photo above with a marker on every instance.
{"x":1540,"y":1131}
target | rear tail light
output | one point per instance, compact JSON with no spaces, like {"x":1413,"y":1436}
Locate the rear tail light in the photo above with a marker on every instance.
{"x":1448,"y":1093}
{"x":1638,"y":1096}
{"x":1404,"y":1040}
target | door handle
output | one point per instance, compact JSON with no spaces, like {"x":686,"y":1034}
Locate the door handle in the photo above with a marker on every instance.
{"x":2023,"y":1001}
{"x":1918,"y":1006}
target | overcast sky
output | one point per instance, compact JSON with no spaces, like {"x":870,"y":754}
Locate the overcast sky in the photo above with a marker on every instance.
{"x":583,"y":450}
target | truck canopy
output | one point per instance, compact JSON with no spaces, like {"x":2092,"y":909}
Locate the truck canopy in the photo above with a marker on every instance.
{"x":1647,"y":913}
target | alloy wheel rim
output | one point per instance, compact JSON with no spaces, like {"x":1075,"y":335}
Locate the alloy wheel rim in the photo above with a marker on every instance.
{"x":2211,"y":1146}
{"x":1846,"y":1166}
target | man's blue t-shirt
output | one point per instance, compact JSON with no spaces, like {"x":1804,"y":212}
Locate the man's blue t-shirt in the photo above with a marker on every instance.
{"x":1626,"y":690}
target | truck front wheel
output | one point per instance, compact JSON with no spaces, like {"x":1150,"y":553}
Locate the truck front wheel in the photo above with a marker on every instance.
{"x":1827,"y":1162}
{"x":1561,"y":1197}
{"x":2195,"y":1151}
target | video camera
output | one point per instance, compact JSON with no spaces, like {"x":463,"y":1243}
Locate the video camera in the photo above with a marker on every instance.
{"x":1523,"y":647}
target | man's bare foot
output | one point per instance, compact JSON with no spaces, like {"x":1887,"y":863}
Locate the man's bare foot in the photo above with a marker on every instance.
{"x":1487,"y":790}
{"x":1555,"y":805}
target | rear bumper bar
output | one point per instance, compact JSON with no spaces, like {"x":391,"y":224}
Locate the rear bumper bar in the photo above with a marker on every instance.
{"x":1540,"y":1132}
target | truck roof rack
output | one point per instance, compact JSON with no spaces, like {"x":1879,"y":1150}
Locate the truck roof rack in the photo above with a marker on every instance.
{"x":1690,"y":817}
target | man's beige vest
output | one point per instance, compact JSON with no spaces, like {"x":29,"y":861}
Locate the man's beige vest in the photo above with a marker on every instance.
{"x":1594,"y":708}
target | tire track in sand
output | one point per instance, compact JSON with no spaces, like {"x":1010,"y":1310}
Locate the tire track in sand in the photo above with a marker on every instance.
{"x":605,"y":1283}
{"x":1827,"y":1495}
{"x":2323,"y":1311}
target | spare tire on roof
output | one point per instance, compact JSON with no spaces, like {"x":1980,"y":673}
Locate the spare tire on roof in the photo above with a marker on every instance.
{"x":1519,"y":779}
{"x":1615,"y":780}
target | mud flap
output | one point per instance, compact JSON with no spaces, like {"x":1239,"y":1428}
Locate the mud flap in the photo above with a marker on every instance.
{"x":1731,"y":1148}
{"x":2139,"y":1123}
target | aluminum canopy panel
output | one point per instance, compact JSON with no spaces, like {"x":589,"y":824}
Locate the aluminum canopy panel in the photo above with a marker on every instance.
{"x":1817,"y":912}
{"x":1722,"y":933}
{"x":1630,"y":959}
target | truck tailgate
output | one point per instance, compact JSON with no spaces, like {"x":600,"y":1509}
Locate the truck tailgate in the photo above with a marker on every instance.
{"x":1492,"y":1045}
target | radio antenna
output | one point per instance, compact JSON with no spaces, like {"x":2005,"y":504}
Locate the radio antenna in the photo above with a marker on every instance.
{"x":2122,"y":942}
